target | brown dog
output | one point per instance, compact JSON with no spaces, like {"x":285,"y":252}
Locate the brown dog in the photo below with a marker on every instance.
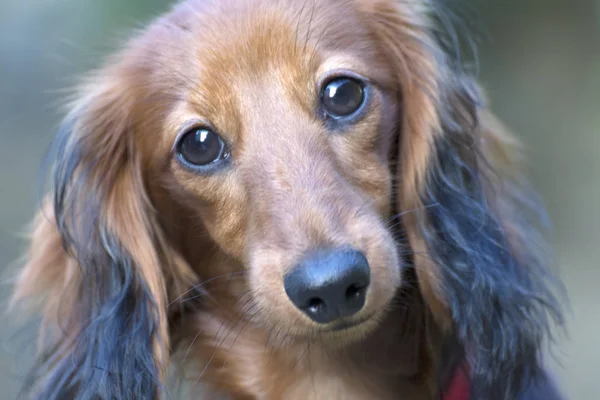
{"x":296,"y":199}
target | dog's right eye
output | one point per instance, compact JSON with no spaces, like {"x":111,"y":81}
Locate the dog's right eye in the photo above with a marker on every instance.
{"x":201,"y":147}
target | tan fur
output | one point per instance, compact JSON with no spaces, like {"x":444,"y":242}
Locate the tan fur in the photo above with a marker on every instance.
{"x":293,"y":186}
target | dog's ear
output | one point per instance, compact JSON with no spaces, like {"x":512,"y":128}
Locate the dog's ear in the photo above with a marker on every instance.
{"x":480,"y":251}
{"x":98,"y":253}
{"x":470,"y":218}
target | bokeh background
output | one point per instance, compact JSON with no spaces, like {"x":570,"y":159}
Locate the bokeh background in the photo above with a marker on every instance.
{"x":539,"y":61}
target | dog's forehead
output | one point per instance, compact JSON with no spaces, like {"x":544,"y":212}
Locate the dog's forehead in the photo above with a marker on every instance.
{"x":253,"y":36}
{"x":233,"y":45}
{"x":212,"y":59}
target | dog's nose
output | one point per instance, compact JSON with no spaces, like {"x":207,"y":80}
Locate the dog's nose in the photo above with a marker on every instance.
{"x":329,"y":284}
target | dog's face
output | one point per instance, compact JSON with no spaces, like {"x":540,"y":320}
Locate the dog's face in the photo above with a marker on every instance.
{"x":278,"y":140}
{"x":279,"y":159}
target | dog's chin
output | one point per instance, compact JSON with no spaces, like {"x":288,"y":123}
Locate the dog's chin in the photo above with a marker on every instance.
{"x":339,"y":334}
{"x":347,"y":333}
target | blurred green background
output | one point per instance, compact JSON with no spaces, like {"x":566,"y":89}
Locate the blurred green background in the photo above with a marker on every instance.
{"x":540,"y":65}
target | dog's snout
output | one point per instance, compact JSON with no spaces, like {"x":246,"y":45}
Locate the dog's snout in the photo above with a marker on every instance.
{"x":329,"y":284}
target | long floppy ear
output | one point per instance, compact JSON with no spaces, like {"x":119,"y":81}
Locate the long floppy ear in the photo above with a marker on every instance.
{"x":486,"y":257}
{"x":98,"y":253}
{"x":480,"y":260}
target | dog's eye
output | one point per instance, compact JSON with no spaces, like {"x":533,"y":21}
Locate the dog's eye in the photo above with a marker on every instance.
{"x":342,"y":97}
{"x":201,"y":147}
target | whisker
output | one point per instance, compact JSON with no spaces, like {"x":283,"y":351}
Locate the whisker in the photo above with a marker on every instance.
{"x":310,"y":20}
{"x":403,"y":213}
{"x":201,"y":284}
{"x":298,"y":24}
{"x":220,"y":339}
{"x":395,"y":218}
{"x":207,"y":294}
{"x":244,"y":326}
{"x":192,"y":344}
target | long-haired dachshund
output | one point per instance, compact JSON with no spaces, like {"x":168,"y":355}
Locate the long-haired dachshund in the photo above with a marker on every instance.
{"x":294,"y":200}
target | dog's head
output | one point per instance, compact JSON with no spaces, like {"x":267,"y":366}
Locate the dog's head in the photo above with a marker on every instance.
{"x":309,"y":151}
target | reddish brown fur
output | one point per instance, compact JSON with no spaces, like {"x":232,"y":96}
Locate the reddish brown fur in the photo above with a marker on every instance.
{"x":249,"y":68}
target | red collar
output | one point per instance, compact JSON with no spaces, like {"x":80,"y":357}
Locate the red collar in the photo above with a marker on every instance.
{"x":459,"y":386}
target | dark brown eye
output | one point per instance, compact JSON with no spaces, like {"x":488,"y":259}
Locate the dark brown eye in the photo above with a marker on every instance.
{"x":201,"y":147}
{"x":342,"y":97}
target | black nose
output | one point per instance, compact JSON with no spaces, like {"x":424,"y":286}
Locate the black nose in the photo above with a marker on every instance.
{"x":329,"y":284}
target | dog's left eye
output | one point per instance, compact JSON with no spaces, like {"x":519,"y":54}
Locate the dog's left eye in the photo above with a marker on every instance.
{"x":201,"y":147}
{"x":342,"y":97}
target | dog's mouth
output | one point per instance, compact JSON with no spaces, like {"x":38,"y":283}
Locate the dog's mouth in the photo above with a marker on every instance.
{"x":345,"y":325}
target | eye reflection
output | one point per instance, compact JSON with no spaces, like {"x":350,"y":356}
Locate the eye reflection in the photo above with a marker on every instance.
{"x":342,"y":97}
{"x":201,"y":147}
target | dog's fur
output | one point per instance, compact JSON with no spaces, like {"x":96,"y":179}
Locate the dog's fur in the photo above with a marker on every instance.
{"x":142,"y":260}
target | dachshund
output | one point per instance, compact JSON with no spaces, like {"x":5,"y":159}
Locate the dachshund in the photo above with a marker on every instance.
{"x":289,"y":200}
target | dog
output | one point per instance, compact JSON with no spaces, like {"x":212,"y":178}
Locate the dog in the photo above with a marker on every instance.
{"x":289,"y":200}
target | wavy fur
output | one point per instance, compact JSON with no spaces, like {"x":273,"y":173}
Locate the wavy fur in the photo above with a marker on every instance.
{"x":141,"y":259}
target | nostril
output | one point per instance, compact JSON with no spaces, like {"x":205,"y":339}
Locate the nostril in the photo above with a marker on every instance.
{"x":316,"y":305}
{"x":354,"y":291}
